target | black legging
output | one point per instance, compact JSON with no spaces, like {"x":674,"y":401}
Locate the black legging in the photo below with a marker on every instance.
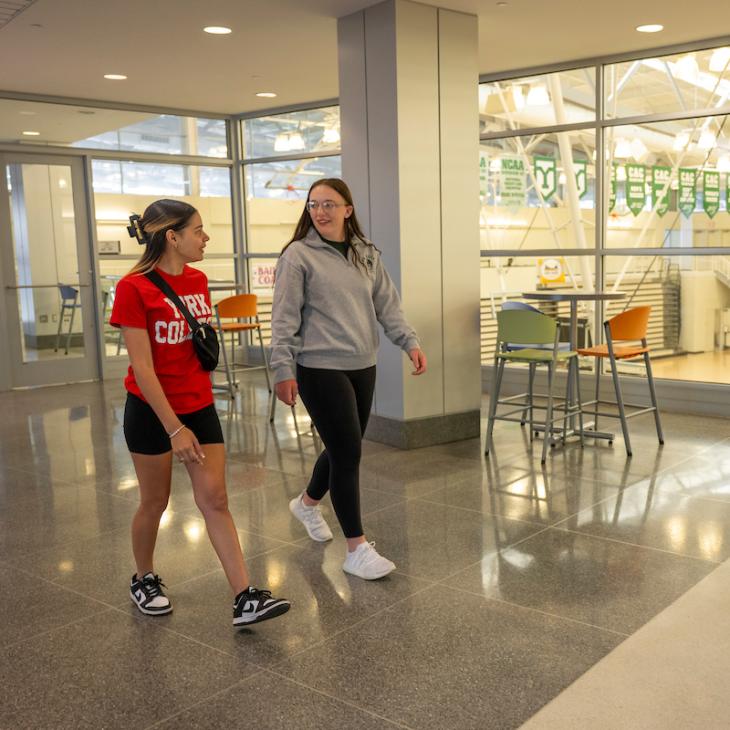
{"x":339,"y":404}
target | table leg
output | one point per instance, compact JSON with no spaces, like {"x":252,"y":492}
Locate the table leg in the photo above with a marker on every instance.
{"x":573,"y":341}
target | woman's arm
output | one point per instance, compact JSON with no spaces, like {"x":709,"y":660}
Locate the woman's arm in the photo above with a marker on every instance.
{"x":286,"y":322}
{"x":390,"y":314}
{"x":183,"y":443}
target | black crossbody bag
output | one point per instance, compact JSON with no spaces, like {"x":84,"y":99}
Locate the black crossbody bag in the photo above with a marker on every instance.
{"x":205,"y":339}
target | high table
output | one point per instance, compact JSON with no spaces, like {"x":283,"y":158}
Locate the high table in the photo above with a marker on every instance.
{"x":572,"y":296}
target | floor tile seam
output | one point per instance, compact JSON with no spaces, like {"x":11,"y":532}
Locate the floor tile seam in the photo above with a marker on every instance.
{"x":66,"y":543}
{"x":681,"y":461}
{"x":707,"y":561}
{"x":549,"y":614}
{"x":482,"y":512}
{"x":456,"y":483}
{"x":640,"y":477}
{"x":66,"y":588}
{"x":202,"y":701}
{"x":496,"y":551}
{"x":334,"y":698}
{"x":233,"y":457}
{"x":386,"y":507}
{"x":21,"y":470}
{"x":263,"y":535}
{"x":220,"y":569}
{"x":138,"y":617}
{"x":713,"y":445}
{"x":45,"y":632}
{"x":274,"y":483}
{"x":361,"y":621}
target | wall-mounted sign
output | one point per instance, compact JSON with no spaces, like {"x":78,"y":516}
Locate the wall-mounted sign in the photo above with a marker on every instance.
{"x":513,"y":188}
{"x":635,"y":188}
{"x":262,"y":276}
{"x":483,"y":174}
{"x":711,"y":192}
{"x":110,"y":247}
{"x":551,"y":271}
{"x":687,"y":191}
{"x":581,"y":177}
{"x":546,"y":175}
{"x":661,"y":178}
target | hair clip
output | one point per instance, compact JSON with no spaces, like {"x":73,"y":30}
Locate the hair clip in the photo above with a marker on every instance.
{"x":135,"y":230}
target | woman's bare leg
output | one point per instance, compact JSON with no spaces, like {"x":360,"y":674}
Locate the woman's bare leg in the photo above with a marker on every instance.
{"x":153,"y":475}
{"x":209,"y":488}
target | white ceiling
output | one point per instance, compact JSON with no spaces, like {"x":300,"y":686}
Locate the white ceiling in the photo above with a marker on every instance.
{"x":290,"y":46}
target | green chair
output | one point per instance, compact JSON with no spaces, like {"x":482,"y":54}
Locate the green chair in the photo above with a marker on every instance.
{"x":516,"y":327}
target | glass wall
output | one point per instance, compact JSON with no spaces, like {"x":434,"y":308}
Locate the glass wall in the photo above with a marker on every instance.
{"x":661,"y":182}
{"x":122,"y":188}
{"x":111,"y":129}
{"x":285,"y":154}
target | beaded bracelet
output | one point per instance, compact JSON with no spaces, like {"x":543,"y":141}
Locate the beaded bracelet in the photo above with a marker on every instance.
{"x":176,"y":432}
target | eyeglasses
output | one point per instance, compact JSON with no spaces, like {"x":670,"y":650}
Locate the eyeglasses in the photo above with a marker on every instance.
{"x":327,"y":206}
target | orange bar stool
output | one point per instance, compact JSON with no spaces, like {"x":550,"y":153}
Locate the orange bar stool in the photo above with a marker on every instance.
{"x":629,"y":326}
{"x":237,"y":308}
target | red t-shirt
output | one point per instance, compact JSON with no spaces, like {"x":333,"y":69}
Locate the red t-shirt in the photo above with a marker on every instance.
{"x":139,"y":303}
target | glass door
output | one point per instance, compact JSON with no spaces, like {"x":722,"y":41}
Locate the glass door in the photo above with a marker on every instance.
{"x":49,"y":302}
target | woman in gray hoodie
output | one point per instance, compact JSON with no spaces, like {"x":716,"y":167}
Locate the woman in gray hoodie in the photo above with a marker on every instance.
{"x":331,"y":290}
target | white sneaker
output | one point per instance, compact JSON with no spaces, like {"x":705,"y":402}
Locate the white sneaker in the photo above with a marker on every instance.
{"x":311,"y":518}
{"x":365,"y":562}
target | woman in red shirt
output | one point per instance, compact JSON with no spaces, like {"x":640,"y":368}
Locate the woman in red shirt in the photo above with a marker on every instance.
{"x":170,"y":409}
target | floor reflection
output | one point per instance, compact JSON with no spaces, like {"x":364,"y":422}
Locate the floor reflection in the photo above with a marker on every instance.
{"x":509,"y":568}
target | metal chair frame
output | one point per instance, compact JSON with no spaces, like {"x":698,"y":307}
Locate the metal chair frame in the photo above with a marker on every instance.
{"x":622,"y":415}
{"x":527,"y":407}
{"x":231,"y":367}
{"x":68,"y":294}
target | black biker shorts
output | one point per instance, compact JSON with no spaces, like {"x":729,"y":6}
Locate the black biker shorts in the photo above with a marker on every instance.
{"x":145,"y":434}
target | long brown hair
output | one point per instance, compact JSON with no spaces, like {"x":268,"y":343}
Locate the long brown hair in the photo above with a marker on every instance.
{"x":159,"y":218}
{"x":353,"y":230}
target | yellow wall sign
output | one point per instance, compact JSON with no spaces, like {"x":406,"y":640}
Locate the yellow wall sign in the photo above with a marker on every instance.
{"x":551,"y":271}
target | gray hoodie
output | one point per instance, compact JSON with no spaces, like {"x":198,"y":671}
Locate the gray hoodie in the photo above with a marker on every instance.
{"x":326,"y":309}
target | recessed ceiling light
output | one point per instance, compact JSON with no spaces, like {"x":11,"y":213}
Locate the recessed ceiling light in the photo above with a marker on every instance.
{"x":115,"y":77}
{"x":31,"y":134}
{"x":501,"y":5}
{"x":27,"y":113}
{"x":650,"y":28}
{"x":266,"y":94}
{"x":217,"y":29}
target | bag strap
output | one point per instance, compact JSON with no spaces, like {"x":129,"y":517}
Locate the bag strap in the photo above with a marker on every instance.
{"x":165,"y":288}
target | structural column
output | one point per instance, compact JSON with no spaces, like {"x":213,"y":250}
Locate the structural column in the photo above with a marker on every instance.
{"x":410,"y":153}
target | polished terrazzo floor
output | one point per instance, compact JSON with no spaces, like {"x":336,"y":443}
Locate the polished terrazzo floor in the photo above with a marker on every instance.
{"x":513,"y":580}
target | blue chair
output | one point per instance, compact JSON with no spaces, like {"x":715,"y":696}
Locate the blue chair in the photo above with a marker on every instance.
{"x":69,"y":300}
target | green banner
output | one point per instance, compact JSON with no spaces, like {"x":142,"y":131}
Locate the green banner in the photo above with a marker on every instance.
{"x":711,"y":192}
{"x":661,"y":177}
{"x":546,"y":175}
{"x":581,"y":177}
{"x":636,"y":188}
{"x":483,"y":174}
{"x":687,"y":191}
{"x":612,"y":194}
{"x":513,"y":190}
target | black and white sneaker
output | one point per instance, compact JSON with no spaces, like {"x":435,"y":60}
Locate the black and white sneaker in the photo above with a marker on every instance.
{"x":147,"y":594}
{"x":252,"y":605}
